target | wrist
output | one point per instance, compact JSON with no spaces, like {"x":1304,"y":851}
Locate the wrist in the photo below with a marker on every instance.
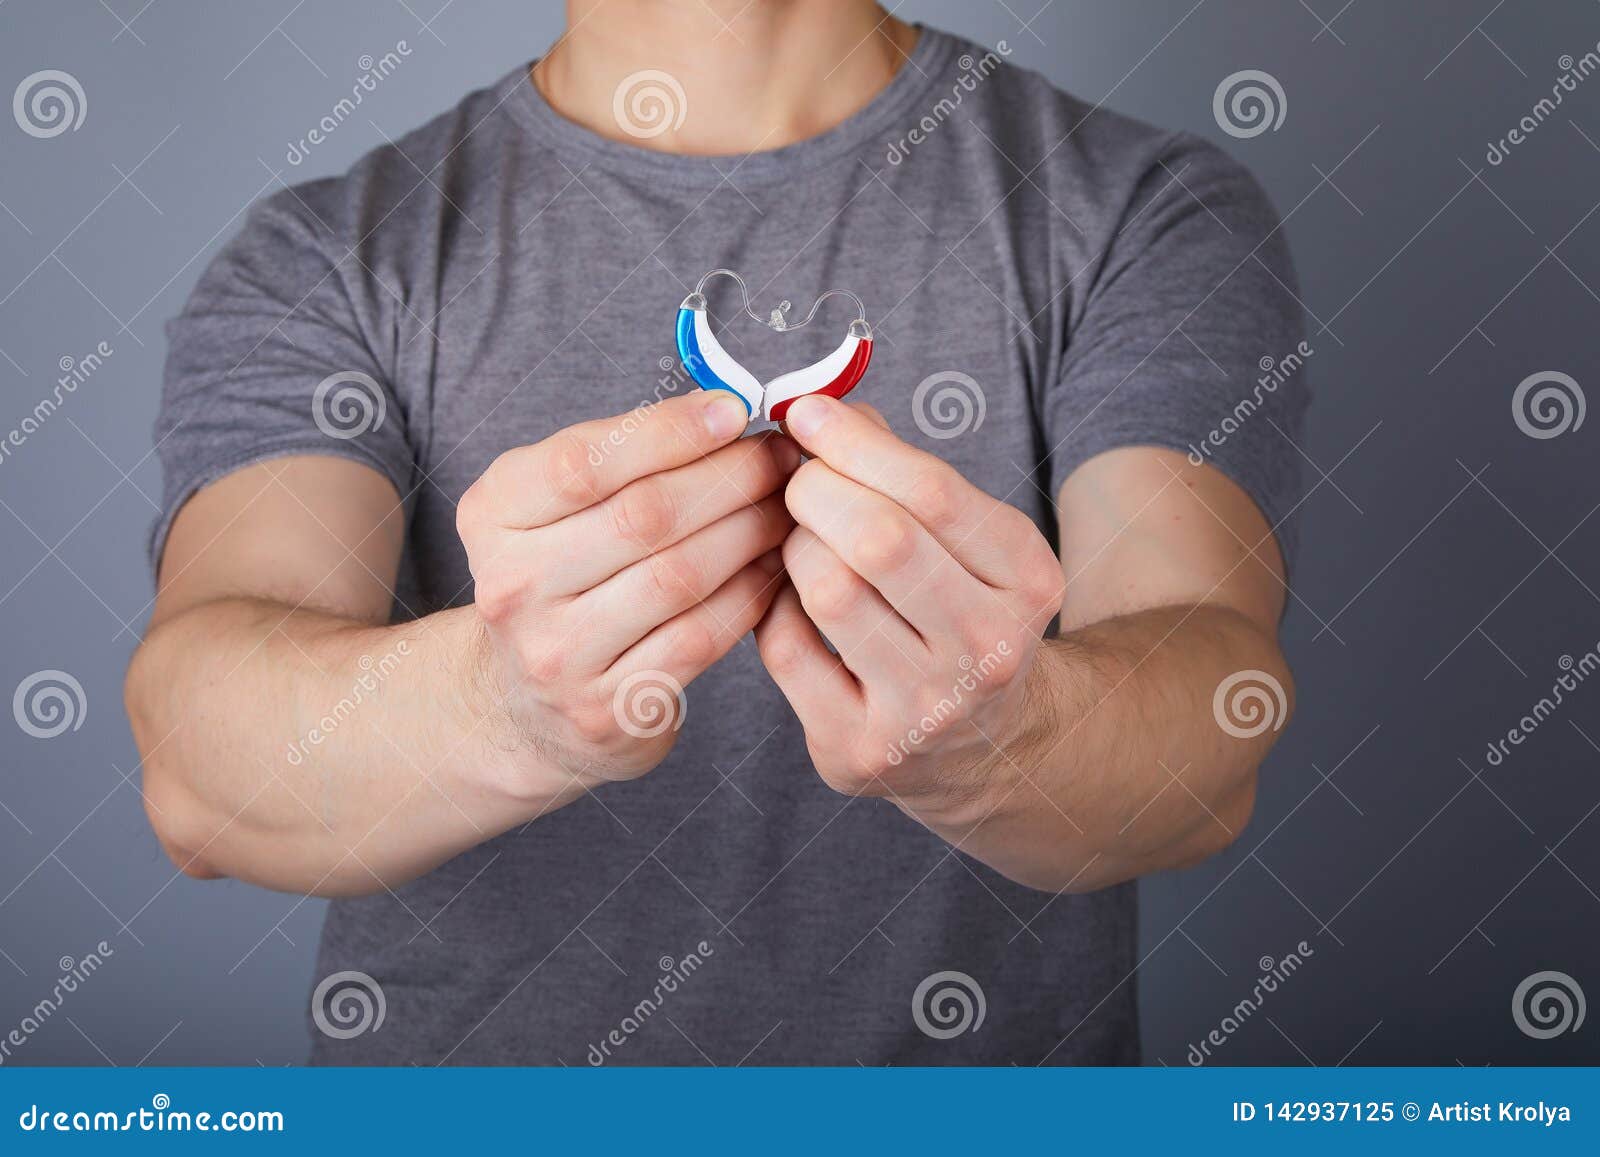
{"x":500,"y":753}
{"x":1000,"y":774}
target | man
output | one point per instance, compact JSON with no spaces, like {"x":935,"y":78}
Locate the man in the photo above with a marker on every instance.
{"x":447,"y":532}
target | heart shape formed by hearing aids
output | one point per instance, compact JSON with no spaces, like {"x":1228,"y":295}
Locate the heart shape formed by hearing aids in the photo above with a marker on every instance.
{"x":713,"y":368}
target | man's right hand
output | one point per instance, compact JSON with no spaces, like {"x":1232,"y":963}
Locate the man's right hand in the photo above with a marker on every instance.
{"x":614,"y":562}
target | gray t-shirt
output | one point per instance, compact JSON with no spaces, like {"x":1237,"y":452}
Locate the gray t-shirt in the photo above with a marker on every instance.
{"x":502,"y":273}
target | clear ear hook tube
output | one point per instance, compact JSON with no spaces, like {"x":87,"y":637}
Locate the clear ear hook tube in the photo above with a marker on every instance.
{"x":713,"y":368}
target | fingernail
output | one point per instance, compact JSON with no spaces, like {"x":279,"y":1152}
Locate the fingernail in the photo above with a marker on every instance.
{"x":785,"y":453}
{"x":725,"y":415}
{"x":808,"y":415}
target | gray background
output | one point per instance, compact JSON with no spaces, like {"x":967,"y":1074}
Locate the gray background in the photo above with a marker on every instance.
{"x":1449,"y":560}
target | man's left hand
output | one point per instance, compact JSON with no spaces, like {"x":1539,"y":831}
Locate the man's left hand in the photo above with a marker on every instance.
{"x":935,"y":596}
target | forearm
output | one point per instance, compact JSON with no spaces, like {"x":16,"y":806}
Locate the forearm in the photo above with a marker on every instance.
{"x":315,"y":754}
{"x":1119,"y":767}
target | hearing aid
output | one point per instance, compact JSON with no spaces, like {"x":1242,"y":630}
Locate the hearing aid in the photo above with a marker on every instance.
{"x":713,"y":368}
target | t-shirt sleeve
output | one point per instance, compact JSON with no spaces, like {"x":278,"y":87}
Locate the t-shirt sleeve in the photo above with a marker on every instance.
{"x":1190,"y":336}
{"x":270,"y":358}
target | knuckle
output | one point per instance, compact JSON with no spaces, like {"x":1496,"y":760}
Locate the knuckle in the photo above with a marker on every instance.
{"x":979,"y":641}
{"x":694,"y":645}
{"x":469,"y":511}
{"x":782,"y":654}
{"x":544,"y":667}
{"x":887,"y":543}
{"x":592,"y":720}
{"x":933,"y":498}
{"x":1044,"y":585}
{"x":569,"y":472}
{"x":834,"y":593}
{"x":670,"y":579}
{"x":1003,"y":667}
{"x":643,"y":513}
{"x":497,"y":594}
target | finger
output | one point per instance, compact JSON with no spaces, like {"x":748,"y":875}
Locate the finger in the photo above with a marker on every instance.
{"x":812,"y":678}
{"x":878,"y":646}
{"x":686,"y":645}
{"x":870,"y":412}
{"x":536,"y":485}
{"x":650,"y":514}
{"x":985,"y":536}
{"x":629,"y":605}
{"x":883,"y":544}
